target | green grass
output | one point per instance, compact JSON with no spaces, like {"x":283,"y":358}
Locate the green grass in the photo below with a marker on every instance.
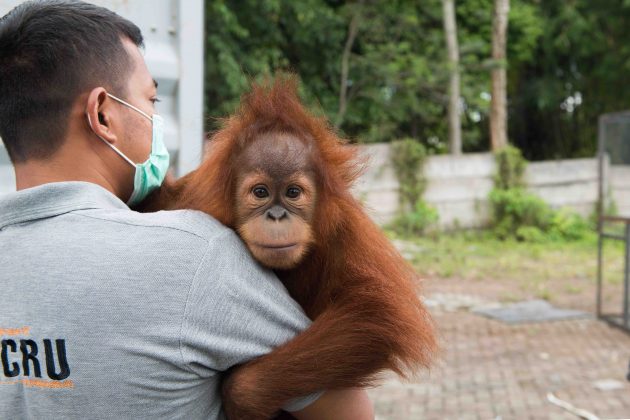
{"x":479,"y":256}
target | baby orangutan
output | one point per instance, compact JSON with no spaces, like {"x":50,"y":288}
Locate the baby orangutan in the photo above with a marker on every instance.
{"x":281,"y":178}
{"x":275,"y":199}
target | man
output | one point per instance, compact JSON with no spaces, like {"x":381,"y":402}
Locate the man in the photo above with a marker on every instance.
{"x":108,"y":313}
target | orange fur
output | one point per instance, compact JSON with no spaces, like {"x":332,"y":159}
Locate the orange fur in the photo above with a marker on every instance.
{"x":356,"y":287}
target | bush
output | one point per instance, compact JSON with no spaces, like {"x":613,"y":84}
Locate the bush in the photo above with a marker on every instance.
{"x":511,"y":167}
{"x":519,"y":214}
{"x":523,"y":216}
{"x":416,"y":216}
{"x":530,"y":234}
{"x":415,"y":222}
{"x":408,"y":157}
{"x":515,"y":208}
{"x":566,"y":224}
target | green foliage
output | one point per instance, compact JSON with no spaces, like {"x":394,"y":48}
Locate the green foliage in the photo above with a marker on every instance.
{"x":251,"y":39}
{"x":417,"y":221}
{"x":530,"y":234}
{"x":557,"y":97}
{"x":408,"y":157}
{"x":515,"y":208}
{"x":568,"y":225}
{"x":397,"y":79}
{"x":521,"y":215}
{"x":561,"y":73}
{"x":510,"y":168}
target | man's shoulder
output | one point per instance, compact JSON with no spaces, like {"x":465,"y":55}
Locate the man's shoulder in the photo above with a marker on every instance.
{"x":192,"y":223}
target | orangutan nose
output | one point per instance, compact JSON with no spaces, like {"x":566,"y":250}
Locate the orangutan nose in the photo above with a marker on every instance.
{"x":277,"y":213}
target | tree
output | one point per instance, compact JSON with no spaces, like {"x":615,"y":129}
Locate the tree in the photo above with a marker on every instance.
{"x":568,"y":63}
{"x":578,"y":71}
{"x":454,"y":122}
{"x":498,"y":113}
{"x":252,"y":39}
{"x":353,"y":29}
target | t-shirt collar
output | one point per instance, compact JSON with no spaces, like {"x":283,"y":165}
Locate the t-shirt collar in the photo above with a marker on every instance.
{"x":53,"y":199}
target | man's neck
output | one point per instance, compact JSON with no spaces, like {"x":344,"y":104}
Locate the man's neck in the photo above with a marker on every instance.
{"x":34,"y":173}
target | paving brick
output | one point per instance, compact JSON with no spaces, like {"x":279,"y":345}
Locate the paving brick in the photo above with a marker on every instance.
{"x":490,"y":369}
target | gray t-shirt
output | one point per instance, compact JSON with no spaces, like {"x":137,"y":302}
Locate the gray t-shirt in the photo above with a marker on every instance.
{"x":110,"y":313}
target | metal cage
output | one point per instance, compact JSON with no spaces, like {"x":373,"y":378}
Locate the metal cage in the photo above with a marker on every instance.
{"x":614,"y":184}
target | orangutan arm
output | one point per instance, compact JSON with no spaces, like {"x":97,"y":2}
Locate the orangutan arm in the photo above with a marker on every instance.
{"x":343,"y":348}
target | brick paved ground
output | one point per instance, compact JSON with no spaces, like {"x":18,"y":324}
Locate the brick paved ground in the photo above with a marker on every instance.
{"x":490,"y":370}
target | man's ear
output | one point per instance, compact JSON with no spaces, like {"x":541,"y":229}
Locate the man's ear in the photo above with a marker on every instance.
{"x":98,"y":114}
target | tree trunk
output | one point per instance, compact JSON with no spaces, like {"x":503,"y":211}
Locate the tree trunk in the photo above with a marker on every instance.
{"x":345,"y":63}
{"x":454,"y":121}
{"x":498,"y":112}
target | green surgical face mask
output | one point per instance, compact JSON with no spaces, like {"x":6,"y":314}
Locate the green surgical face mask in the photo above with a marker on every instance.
{"x":149,"y":174}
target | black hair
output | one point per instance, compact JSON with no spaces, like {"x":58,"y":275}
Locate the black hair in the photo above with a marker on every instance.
{"x":51,"y":51}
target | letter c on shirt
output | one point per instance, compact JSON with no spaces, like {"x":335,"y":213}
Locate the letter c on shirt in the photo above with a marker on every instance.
{"x":5,"y":359}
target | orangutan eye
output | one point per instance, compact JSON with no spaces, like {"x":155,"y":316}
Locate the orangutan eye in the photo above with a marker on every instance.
{"x":293,"y":192}
{"x":260,"y":192}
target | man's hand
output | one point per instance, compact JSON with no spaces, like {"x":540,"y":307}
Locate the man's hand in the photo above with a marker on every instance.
{"x":342,"y":404}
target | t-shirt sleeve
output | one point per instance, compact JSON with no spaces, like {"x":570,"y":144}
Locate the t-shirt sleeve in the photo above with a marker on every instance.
{"x":301,"y":403}
{"x":236,"y":310}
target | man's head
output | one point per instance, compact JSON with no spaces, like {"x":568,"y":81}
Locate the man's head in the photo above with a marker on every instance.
{"x":51,"y":52}
{"x":58,"y":61}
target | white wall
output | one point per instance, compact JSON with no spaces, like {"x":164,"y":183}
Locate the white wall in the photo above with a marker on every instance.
{"x":458,"y":186}
{"x":571,"y":183}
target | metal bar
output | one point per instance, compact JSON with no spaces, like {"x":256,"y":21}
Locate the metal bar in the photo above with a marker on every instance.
{"x":600,"y":251}
{"x":612,"y":236}
{"x":626,"y":278}
{"x":621,"y":219}
{"x":600,"y":210}
{"x":615,"y":321}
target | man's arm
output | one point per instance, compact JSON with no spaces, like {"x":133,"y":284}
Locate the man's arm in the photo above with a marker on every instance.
{"x":237,"y":311}
{"x":343,"y":404}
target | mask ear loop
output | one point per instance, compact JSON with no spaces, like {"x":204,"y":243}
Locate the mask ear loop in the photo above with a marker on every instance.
{"x":122,"y":155}
{"x":130,"y":106}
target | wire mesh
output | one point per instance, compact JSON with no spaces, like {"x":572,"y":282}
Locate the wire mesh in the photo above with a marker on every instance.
{"x":614,"y":211}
